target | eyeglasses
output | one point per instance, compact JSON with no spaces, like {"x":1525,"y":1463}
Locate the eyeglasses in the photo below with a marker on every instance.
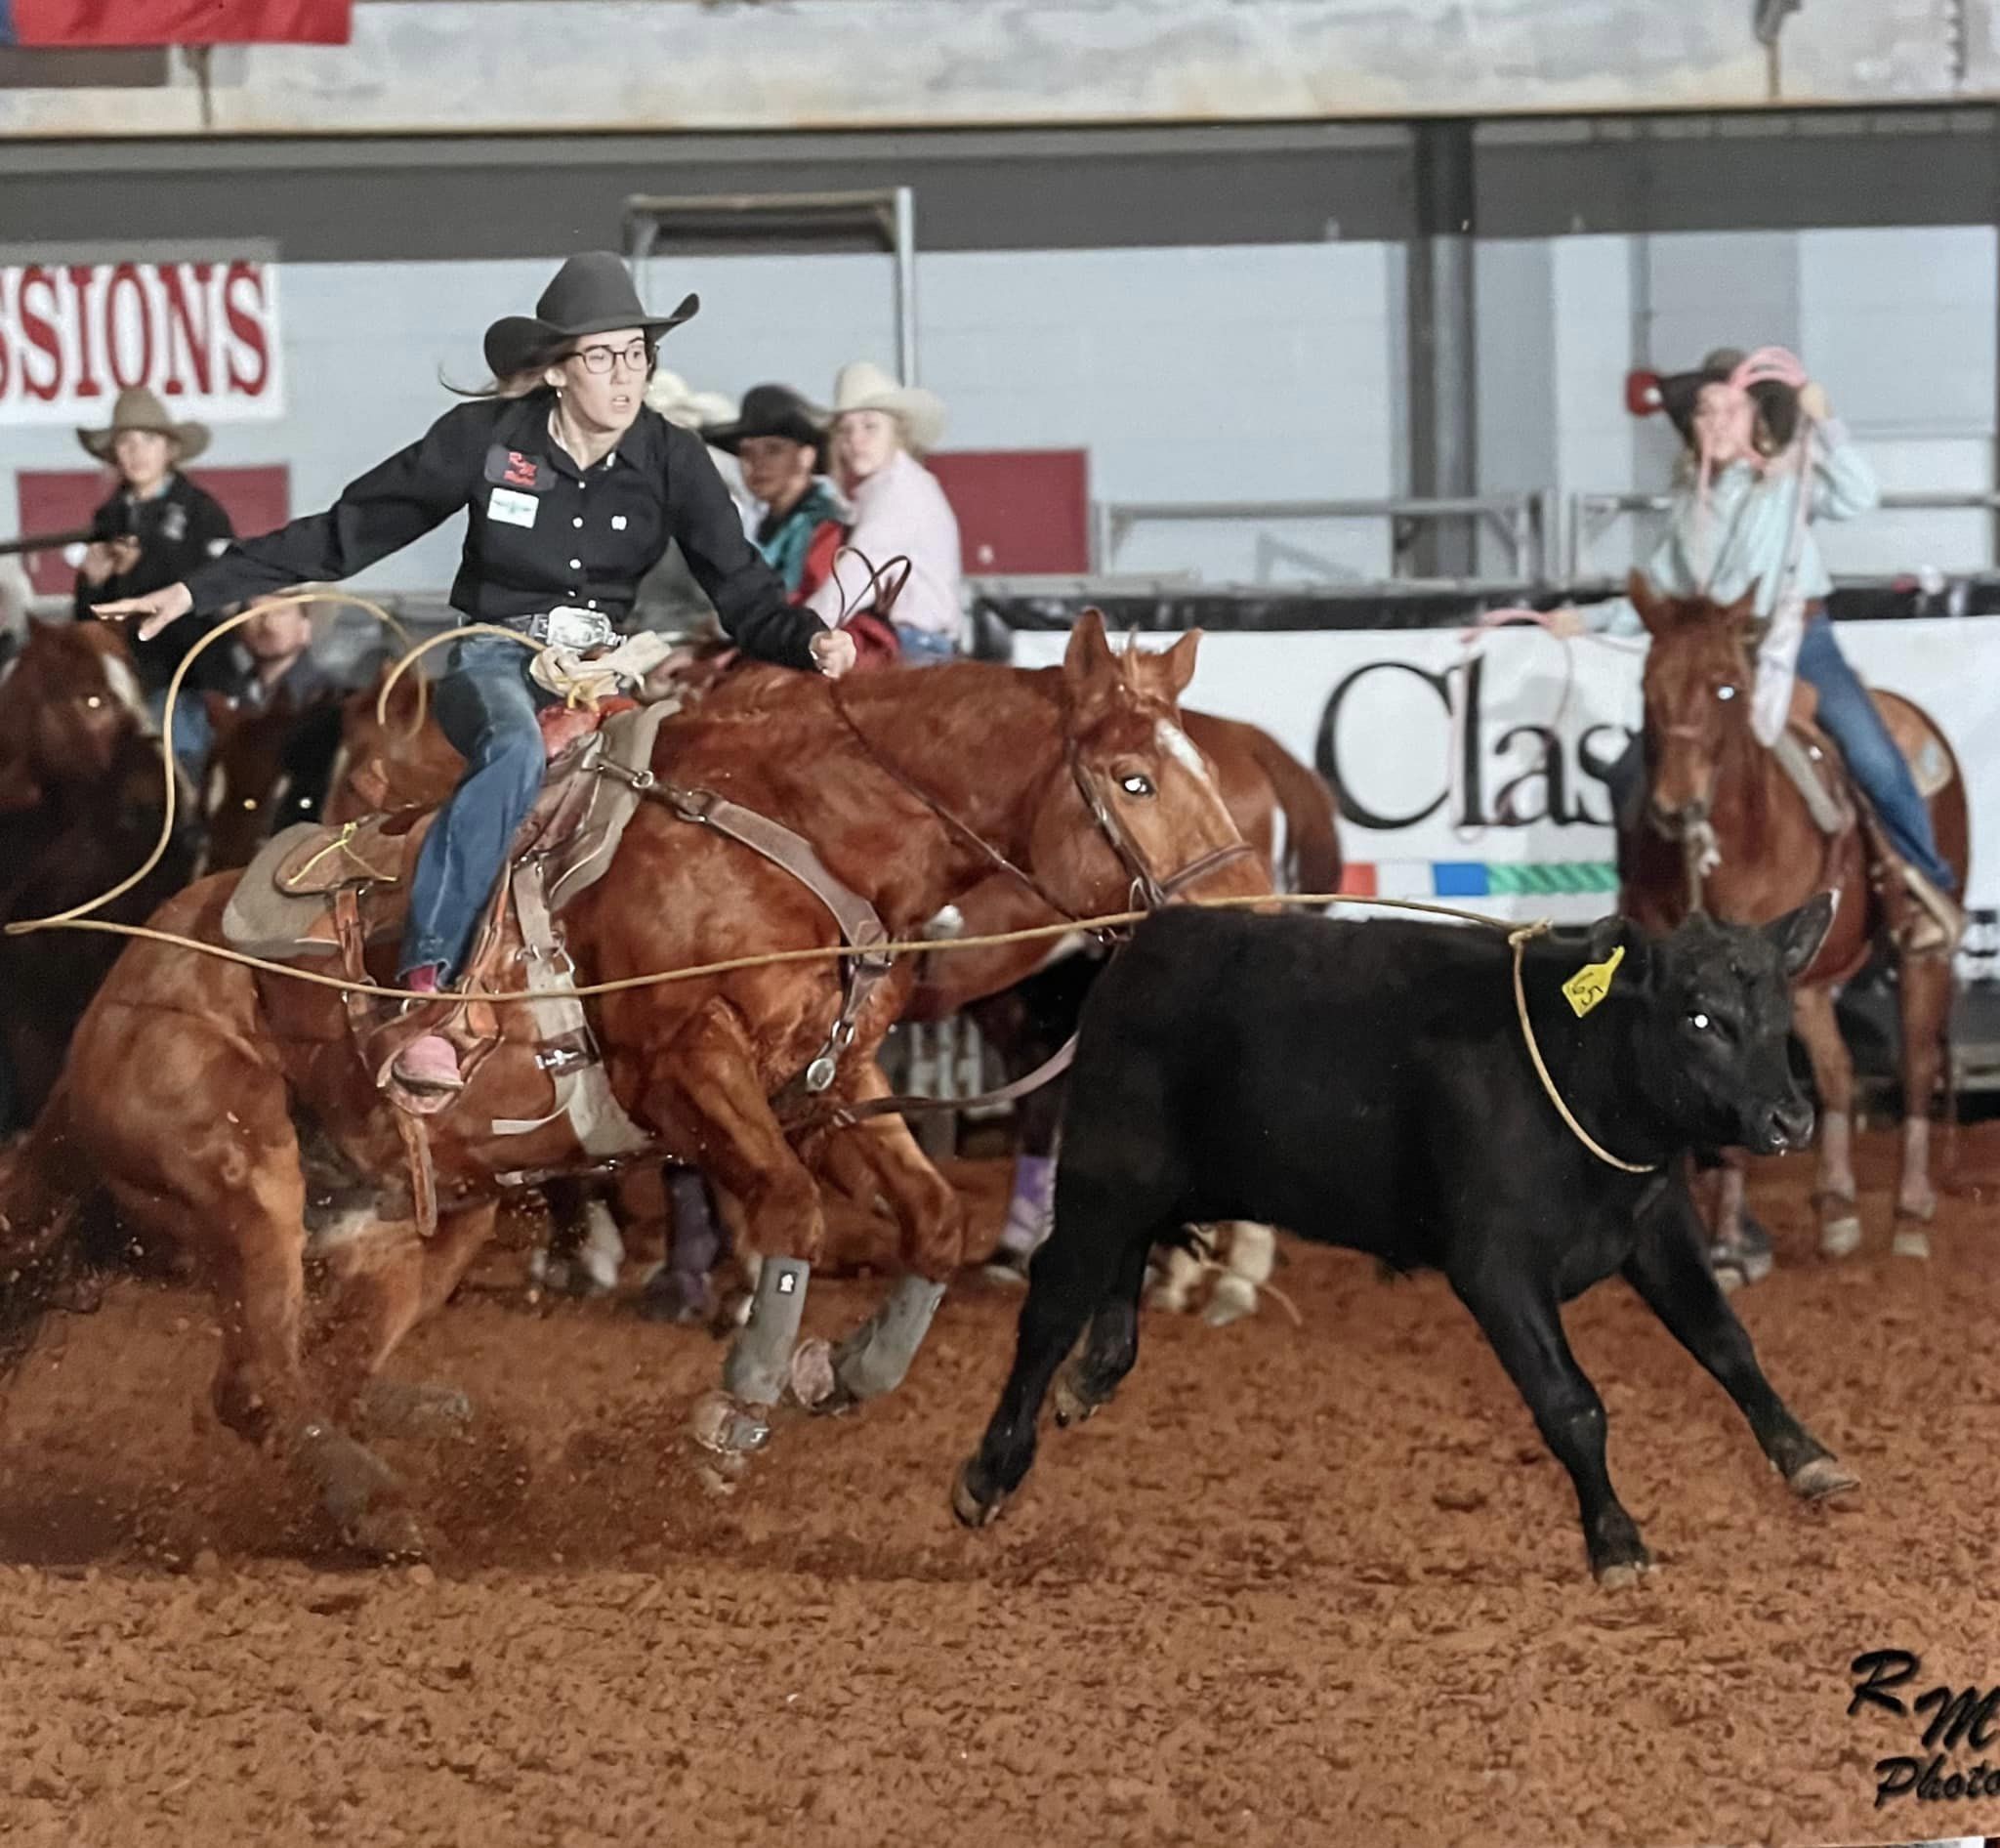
{"x":603,"y":359}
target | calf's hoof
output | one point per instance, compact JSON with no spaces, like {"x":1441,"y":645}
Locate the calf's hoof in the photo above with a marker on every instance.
{"x":1730,"y":1275}
{"x":1072,"y":1404}
{"x":1619,"y":1559}
{"x":1623,"y":1574}
{"x":1822,"y":1477}
{"x":1911,"y":1240}
{"x":966,"y":1504}
{"x":1840,"y":1237}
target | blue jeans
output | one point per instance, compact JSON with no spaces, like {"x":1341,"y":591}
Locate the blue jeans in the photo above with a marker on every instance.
{"x":924,"y":648}
{"x":486,"y":706}
{"x":1847,"y":716}
{"x":193,"y":733}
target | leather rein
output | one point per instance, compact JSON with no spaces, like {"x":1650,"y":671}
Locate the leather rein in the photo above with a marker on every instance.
{"x":1146,"y":885}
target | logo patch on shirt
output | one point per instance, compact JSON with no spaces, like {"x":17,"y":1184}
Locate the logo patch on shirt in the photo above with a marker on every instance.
{"x":513,"y":509}
{"x":508,"y":468}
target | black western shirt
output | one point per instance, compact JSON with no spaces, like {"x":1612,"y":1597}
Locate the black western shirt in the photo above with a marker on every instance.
{"x":179,"y":531}
{"x":541,"y":533}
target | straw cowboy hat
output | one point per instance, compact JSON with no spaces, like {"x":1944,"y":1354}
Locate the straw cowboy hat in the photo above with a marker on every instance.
{"x":669,"y":394}
{"x":1777,"y":403}
{"x":864,"y":386}
{"x":592,"y":294}
{"x":139,"y":409}
{"x":770,"y":411}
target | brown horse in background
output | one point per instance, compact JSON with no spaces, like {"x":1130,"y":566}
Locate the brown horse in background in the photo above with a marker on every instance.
{"x":266,"y":771}
{"x":80,"y":807}
{"x":1714,"y":788}
{"x":197,"y":1092}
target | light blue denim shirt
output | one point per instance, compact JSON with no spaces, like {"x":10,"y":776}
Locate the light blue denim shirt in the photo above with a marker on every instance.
{"x":1747,"y":531}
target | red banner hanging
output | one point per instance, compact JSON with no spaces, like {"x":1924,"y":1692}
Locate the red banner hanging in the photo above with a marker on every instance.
{"x":141,"y":22}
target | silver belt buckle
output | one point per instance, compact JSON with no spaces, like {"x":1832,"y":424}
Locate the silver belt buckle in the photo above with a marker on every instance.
{"x":572,"y":628}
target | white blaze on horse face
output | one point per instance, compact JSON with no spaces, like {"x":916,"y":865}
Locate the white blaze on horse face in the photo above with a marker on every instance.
{"x":124,"y":684}
{"x":1181,"y":748}
{"x":1178,"y":745}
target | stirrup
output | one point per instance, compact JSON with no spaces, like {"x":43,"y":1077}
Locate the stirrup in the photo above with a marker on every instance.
{"x":1944,"y":917}
{"x":430,"y":1073}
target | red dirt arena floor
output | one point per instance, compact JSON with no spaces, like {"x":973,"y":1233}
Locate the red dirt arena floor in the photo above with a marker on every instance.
{"x":1296,"y":1585}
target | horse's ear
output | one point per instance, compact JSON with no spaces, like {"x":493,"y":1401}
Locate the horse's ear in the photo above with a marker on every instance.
{"x":1615,"y":932}
{"x":1653,"y":610}
{"x":1178,"y":663}
{"x":1089,"y":654}
{"x":1742,"y":613}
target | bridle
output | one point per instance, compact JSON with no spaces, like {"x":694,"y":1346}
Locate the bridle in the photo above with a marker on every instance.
{"x":1692,"y":826}
{"x":1145,"y":884}
{"x":1153,"y":887}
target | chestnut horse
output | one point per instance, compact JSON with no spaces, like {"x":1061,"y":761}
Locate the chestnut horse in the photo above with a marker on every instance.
{"x":197,"y":1091}
{"x":1714,"y":788}
{"x":80,"y":807}
{"x":266,"y":771}
{"x":391,"y":764}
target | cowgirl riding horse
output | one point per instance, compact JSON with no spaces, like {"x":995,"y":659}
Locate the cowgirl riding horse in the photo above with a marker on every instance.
{"x":572,"y":488}
{"x":1734,"y":529}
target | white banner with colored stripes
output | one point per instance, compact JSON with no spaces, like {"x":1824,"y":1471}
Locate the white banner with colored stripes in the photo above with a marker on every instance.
{"x":1473,"y":772}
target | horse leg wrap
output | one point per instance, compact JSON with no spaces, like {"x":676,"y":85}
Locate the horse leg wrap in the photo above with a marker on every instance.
{"x":874,"y":1359}
{"x":760,"y":1361}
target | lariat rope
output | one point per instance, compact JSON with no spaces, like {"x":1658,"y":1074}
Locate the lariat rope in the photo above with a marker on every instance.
{"x":78,"y":917}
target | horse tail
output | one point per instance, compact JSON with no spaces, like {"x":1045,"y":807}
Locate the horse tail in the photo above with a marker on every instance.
{"x":1312,"y":857}
{"x":40,"y":1193}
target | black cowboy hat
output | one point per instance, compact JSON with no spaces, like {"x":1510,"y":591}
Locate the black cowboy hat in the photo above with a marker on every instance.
{"x":770,"y":411}
{"x":1777,"y":403}
{"x":592,"y":294}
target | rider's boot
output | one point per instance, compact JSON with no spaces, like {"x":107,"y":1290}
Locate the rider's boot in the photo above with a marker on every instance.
{"x":1935,"y":923}
{"x":1923,"y":920}
{"x":410,"y":1049}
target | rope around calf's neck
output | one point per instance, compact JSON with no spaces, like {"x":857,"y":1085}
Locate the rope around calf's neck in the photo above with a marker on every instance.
{"x":1518,"y":940}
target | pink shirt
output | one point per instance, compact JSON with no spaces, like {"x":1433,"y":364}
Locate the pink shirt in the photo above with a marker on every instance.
{"x":900,"y":510}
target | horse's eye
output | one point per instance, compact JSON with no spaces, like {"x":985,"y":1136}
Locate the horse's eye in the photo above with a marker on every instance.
{"x":1136,"y":784}
{"x":1726,"y":692}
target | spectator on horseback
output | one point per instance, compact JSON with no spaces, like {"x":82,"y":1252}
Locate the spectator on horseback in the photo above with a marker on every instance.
{"x":880,"y":430}
{"x":572,"y":487}
{"x":779,"y":441}
{"x":269,"y":659}
{"x":1736,"y":529}
{"x":155,"y":529}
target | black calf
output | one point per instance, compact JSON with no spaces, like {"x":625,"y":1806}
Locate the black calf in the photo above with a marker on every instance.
{"x":1370,"y":1085}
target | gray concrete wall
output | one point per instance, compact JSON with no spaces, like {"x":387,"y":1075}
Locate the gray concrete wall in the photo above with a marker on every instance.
{"x":509,"y":66}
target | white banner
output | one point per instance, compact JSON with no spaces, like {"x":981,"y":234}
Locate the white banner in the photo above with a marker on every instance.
{"x":204,"y":335}
{"x":1473,"y":773}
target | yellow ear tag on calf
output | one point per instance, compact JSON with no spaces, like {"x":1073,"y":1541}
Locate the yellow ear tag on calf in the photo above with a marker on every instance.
{"x":1592,"y":983}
